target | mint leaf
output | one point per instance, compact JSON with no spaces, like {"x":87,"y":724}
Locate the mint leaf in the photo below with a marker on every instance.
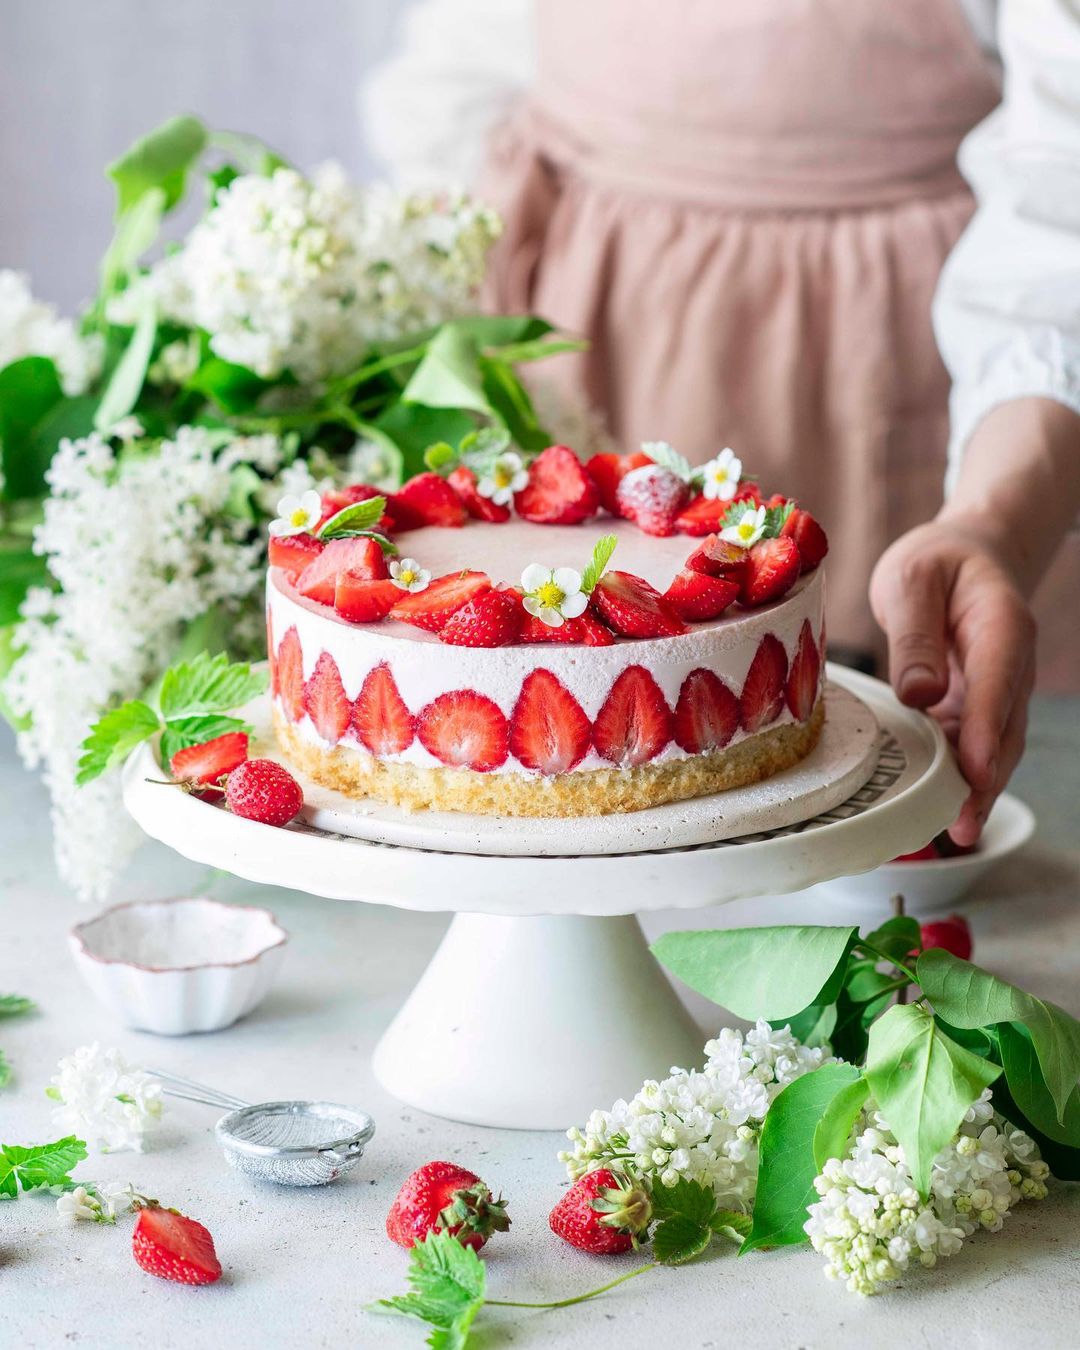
{"x":667,"y":457}
{"x":354,"y":519}
{"x":923,"y":1082}
{"x":208,"y":684}
{"x":14,"y":1005}
{"x":448,"y":1286}
{"x":187,"y":731}
{"x":602,"y":551}
{"x":113,"y":737}
{"x":40,"y":1165}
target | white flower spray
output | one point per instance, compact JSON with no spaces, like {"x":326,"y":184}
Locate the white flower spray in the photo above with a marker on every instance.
{"x":29,"y":327}
{"x":105,"y":1100}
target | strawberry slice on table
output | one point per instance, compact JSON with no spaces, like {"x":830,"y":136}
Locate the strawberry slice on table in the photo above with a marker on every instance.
{"x":559,"y":491}
{"x":696,"y":597}
{"x":809,"y":537}
{"x":549,"y":729}
{"x":586,"y":630}
{"x":325,"y":701}
{"x":383,"y":723}
{"x":652,"y":497}
{"x":607,"y":471}
{"x":765,"y":686}
{"x":290,"y":673}
{"x":802,"y":682}
{"x":464,"y":729}
{"x":293,"y":552}
{"x":430,"y":500}
{"x":772,"y":568}
{"x":174,"y":1247}
{"x":339,"y":498}
{"x":207,"y":764}
{"x":361,"y":556}
{"x":603,"y":1212}
{"x":463,"y":481}
{"x":715,"y":557}
{"x":704,"y":515}
{"x":361,"y":600}
{"x":635,"y":722}
{"x":707,"y":713}
{"x":630,"y":606}
{"x":432,"y":607}
{"x":443,"y":1197}
{"x":491,"y":619}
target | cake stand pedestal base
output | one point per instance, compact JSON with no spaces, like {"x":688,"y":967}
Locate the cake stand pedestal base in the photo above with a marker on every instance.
{"x":565,"y":1013}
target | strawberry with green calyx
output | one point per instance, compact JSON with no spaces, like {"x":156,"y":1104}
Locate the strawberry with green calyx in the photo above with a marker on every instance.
{"x":603,"y":1212}
{"x":442,"y":1197}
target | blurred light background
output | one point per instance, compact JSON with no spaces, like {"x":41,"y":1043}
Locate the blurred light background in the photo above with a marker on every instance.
{"x":81,"y":79}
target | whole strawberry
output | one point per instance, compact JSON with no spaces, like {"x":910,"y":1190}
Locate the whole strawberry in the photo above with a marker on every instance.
{"x":952,"y":933}
{"x":442,"y":1197}
{"x":262,"y":790}
{"x":603,"y":1212}
{"x":168,"y":1244}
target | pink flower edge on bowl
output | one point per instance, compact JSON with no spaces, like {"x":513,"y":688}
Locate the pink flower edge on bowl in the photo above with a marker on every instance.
{"x":174,"y":967}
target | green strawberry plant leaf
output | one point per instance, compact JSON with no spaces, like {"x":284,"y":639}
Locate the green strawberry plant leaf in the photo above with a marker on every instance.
{"x":448,"y":1284}
{"x":113,"y":737}
{"x":15,"y":1005}
{"x":971,"y":998}
{"x":688,"y":1221}
{"x":680,"y":1239}
{"x":208,"y":684}
{"x":788,"y":1166}
{"x":601,"y":556}
{"x":29,"y":1169}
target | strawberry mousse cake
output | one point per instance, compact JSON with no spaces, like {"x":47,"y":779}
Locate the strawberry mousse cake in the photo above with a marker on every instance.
{"x":546,"y":639}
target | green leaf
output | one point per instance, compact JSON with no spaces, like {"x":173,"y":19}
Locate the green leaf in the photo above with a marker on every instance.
{"x":1028,"y":1087}
{"x":499,"y":330}
{"x":449,"y":374}
{"x":440,"y":457}
{"x":113,"y":737}
{"x":20,"y":568}
{"x":208,"y":684}
{"x":15,"y":1005}
{"x":29,"y":390}
{"x":834,"y":1128}
{"x":160,"y":159}
{"x":411,"y":428}
{"x":448,"y":1285}
{"x":680,"y":1239}
{"x":511,"y":404}
{"x":9,"y":654}
{"x":235,"y":389}
{"x":788,"y":1168}
{"x":41,"y":1165}
{"x":602,"y":551}
{"x":689,"y":1198}
{"x":5,"y":1070}
{"x":135,"y":231}
{"x":667,"y":457}
{"x":187,"y":731}
{"x":813,"y":1026}
{"x":685,"y":1212}
{"x":866,"y":984}
{"x":731,"y":1223}
{"x":252,"y":154}
{"x":125,"y":386}
{"x":538,"y":349}
{"x":760,"y":972}
{"x":898,"y":937}
{"x":357,"y":518}
{"x":923,"y":1083}
{"x":971,"y":998}
{"x":849,"y":1034}
{"x":1062,"y":1159}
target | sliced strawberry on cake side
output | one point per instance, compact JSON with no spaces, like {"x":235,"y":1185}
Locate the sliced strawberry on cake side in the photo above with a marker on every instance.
{"x":607,"y":471}
{"x":809,"y":537}
{"x":630,"y":606}
{"x":290,"y":671}
{"x":491,"y":619}
{"x":325,"y":701}
{"x":803,"y":677}
{"x":361,"y":600}
{"x":465,"y":730}
{"x":382,"y":721}
{"x":697,"y":597}
{"x":293,"y":552}
{"x":635,"y":722}
{"x":463,"y":481}
{"x":652,"y":497}
{"x":772,"y":568}
{"x":359,"y":555}
{"x":707,"y":714}
{"x":549,"y":729}
{"x":765,"y":686}
{"x":716,"y":557}
{"x":429,"y":499}
{"x":432,"y":607}
{"x":559,"y":491}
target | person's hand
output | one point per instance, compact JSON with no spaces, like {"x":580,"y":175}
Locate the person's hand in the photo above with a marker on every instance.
{"x":961,"y":645}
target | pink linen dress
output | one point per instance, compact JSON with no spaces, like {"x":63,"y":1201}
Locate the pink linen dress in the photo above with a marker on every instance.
{"x":745,"y":207}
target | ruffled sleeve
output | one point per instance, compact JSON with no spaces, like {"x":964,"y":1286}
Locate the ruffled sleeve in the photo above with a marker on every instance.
{"x":1007,"y":310}
{"x":461,"y":64}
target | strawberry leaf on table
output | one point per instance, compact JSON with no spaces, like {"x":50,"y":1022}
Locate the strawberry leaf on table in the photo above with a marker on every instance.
{"x":594,"y":570}
{"x":113,"y":737}
{"x":15,"y":1005}
{"x":688,"y":1221}
{"x":29,"y":1169}
{"x":448,"y":1284}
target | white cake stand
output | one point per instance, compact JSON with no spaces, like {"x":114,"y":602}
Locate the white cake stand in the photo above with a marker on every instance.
{"x":543,"y":1000}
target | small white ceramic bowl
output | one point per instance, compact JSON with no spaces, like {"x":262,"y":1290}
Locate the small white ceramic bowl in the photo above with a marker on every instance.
{"x":176,"y":966}
{"x":934,"y":886}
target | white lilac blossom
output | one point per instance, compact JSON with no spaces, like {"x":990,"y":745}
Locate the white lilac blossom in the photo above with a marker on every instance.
{"x":748,"y":528}
{"x":507,"y":476}
{"x":553,"y":595}
{"x":297,"y":515}
{"x":408,"y":575}
{"x":720,"y":477}
{"x":104,"y":1099}
{"x":29,"y":327}
{"x":871,"y":1225}
{"x":296,"y":274}
{"x":700,"y":1124}
{"x":142,"y":545}
{"x":100,"y":1201}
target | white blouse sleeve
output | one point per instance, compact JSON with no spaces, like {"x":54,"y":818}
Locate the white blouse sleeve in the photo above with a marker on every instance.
{"x":1007,"y":310}
{"x":428,"y":109}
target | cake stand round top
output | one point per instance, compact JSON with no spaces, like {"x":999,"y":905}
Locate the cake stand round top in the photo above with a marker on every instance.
{"x":910,"y":789}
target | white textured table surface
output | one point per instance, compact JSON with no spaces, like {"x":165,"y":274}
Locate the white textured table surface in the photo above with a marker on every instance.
{"x":299,"y":1265}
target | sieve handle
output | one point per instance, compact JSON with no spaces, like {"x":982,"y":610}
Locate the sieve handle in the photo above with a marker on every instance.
{"x":184,"y":1088}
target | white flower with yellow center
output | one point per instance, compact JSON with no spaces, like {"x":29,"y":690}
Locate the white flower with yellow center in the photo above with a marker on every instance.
{"x":720,"y":477}
{"x":297,"y":515}
{"x":748,"y":529}
{"x":553,"y":595}
{"x":508,"y":475}
{"x":408,"y":575}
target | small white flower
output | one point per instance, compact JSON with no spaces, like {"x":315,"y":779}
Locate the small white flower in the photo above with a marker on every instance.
{"x":553,"y":595}
{"x":105,"y":1100}
{"x":297,"y":515}
{"x":126,"y":430}
{"x":79,"y":1204}
{"x":748,"y":529}
{"x":508,"y":475}
{"x":721,"y":476}
{"x":408,"y":575}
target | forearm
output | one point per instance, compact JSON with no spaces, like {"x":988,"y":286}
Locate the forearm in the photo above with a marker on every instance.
{"x":1018,"y":489}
